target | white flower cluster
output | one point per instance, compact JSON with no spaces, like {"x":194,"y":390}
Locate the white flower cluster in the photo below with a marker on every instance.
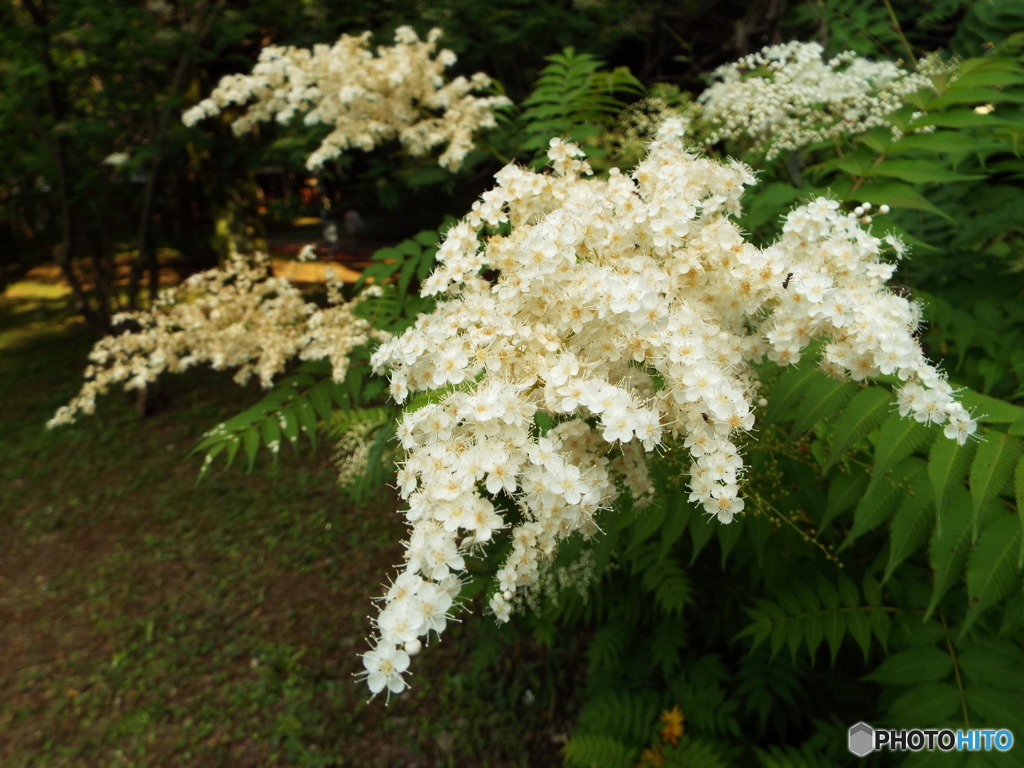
{"x":628,"y":310}
{"x":398,"y":93}
{"x":786,"y":96}
{"x":237,"y":316}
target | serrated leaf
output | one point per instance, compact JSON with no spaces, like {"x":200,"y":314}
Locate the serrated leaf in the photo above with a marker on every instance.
{"x":859,"y":624}
{"x":881,"y":624}
{"x":990,"y":410}
{"x":993,"y":661}
{"x":992,"y":571}
{"x":881,"y":499}
{"x":760,"y":531}
{"x":950,"y":544}
{"x":928,"y":703}
{"x":992,"y":468}
{"x":271,"y":430}
{"x":910,"y":525}
{"x":949,"y":142}
{"x":866,"y":410}
{"x":251,"y":441}
{"x":1018,"y":487}
{"x":405,"y":275}
{"x":208,"y":460}
{"x":914,"y":667}
{"x":337,"y":393}
{"x":677,"y":515}
{"x":822,"y":398}
{"x":648,"y":522}
{"x":998,"y":709}
{"x":957,"y":118}
{"x":987,"y":78}
{"x":919,"y":171}
{"x":828,"y":594}
{"x":608,"y":645}
{"x":898,"y":438}
{"x":588,"y":750}
{"x":670,"y":585}
{"x":290,"y":427}
{"x":787,"y":390}
{"x":872,"y":590}
{"x":729,"y":536}
{"x":702,"y":528}
{"x":233,"y":443}
{"x":947,"y":468}
{"x":844,"y":490}
{"x":320,"y":397}
{"x":427,"y":238}
{"x":307,"y":417}
{"x":835,"y":631}
{"x":896,"y":194}
{"x":980,"y":95}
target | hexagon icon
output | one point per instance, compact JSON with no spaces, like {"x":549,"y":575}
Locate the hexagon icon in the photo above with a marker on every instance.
{"x":861,"y":739}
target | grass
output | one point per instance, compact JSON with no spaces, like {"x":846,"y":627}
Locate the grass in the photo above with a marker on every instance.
{"x":147,"y":621}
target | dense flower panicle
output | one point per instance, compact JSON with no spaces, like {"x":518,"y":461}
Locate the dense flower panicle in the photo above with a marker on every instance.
{"x":629,"y":310}
{"x":399,"y":93}
{"x":236,"y":316}
{"x":786,"y":96}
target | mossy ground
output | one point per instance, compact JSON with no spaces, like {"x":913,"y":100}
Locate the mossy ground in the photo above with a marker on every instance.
{"x":148,"y":621}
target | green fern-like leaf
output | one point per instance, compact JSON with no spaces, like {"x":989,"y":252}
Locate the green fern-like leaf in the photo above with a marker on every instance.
{"x":882,"y":497}
{"x":950,"y":543}
{"x":591,"y":751}
{"x":823,"y":397}
{"x":926,"y":703}
{"x":573,"y":97}
{"x":804,"y":617}
{"x":701,"y":692}
{"x":914,"y":666}
{"x":845,"y":489}
{"x":992,"y":572}
{"x":948,"y":463}
{"x":865,"y":412}
{"x":677,"y":516}
{"x":790,"y":757}
{"x":626,"y":717}
{"x":992,"y":468}
{"x":609,"y":645}
{"x":671,"y":587}
{"x":787,"y":391}
{"x":1018,"y":488}
{"x":911,"y":524}
{"x":898,"y":438}
{"x":289,"y":410}
{"x":343,"y":420}
{"x":694,"y":753}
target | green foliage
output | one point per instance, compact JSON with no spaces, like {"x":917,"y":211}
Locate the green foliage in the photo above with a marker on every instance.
{"x":399,"y":270}
{"x":292,"y":408}
{"x":842,"y":566}
{"x":573,"y":99}
{"x":807,"y":615}
{"x":310,"y":400}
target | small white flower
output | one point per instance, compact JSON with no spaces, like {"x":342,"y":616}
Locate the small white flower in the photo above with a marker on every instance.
{"x":384,"y":667}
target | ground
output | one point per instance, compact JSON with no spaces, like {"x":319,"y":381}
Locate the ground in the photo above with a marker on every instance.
{"x":149,"y":621}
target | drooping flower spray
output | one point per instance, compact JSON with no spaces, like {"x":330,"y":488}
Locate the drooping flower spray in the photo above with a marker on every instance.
{"x":628,"y":310}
